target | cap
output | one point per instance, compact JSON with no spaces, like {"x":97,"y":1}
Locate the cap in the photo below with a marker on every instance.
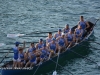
{"x":59,"y":30}
{"x":62,"y":33}
{"x":40,"y":39}
{"x":17,"y":43}
{"x":53,"y":39}
{"x":67,"y":24}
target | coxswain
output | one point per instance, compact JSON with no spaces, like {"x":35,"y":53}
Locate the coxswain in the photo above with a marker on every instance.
{"x":15,"y":50}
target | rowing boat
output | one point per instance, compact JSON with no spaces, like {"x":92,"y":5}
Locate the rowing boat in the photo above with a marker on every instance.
{"x":44,"y":65}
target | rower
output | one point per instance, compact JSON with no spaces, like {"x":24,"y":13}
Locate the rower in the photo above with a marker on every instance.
{"x":53,"y":47}
{"x":31,"y":49}
{"x":44,"y":53}
{"x":78,"y":33}
{"x":21,"y":57}
{"x":15,"y":49}
{"x":85,"y":25}
{"x":40,"y":44}
{"x":62,"y":42}
{"x":66,"y":29}
{"x":32,"y":59}
{"x":58,"y":34}
{"x":49,"y":38}
{"x":70,"y":38}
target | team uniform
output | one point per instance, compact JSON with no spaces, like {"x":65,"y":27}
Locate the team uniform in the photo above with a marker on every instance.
{"x":40,"y":45}
{"x":78,"y":32}
{"x":15,"y":50}
{"x":32,"y":58}
{"x":69,"y":37}
{"x":66,"y":30}
{"x":31,"y":49}
{"x":53,"y":47}
{"x":21,"y":57}
{"x":57,"y":35}
{"x":48,"y":40}
{"x":44,"y":53}
{"x":61,"y":42}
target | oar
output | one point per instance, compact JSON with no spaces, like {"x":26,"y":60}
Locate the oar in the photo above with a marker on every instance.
{"x":61,"y":66}
{"x":22,"y":35}
{"x":84,"y":57}
{"x":37,"y":67}
{"x":4,"y":56}
{"x":55,"y":73}
{"x":3,"y":44}
{"x":6,"y":52}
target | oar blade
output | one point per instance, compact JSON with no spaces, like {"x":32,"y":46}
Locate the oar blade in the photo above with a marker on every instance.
{"x":14,"y":35}
{"x":54,"y":73}
{"x":2,"y":44}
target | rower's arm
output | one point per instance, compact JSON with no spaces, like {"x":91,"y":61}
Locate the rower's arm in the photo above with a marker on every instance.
{"x":46,"y":41}
{"x":81,"y":32}
{"x":58,"y":38}
{"x":73,"y":37}
{"x":54,"y":35}
{"x":75,"y":31}
{"x":66,"y":42}
{"x":36,"y":46}
{"x":87,"y":23}
{"x":57,"y":46}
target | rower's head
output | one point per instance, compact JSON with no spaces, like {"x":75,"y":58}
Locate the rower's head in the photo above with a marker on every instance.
{"x":49,"y":34}
{"x":59,"y":31}
{"x":32,"y":44}
{"x":20,"y":49}
{"x":53,"y":40}
{"x":67,"y":26}
{"x":81,"y":18}
{"x":40,"y":40}
{"x":17,"y":43}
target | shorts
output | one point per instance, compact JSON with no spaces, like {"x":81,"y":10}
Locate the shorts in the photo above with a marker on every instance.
{"x":19,"y":60}
{"x":15,"y":60}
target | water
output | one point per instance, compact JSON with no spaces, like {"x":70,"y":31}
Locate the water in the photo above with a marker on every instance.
{"x":27,"y":16}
